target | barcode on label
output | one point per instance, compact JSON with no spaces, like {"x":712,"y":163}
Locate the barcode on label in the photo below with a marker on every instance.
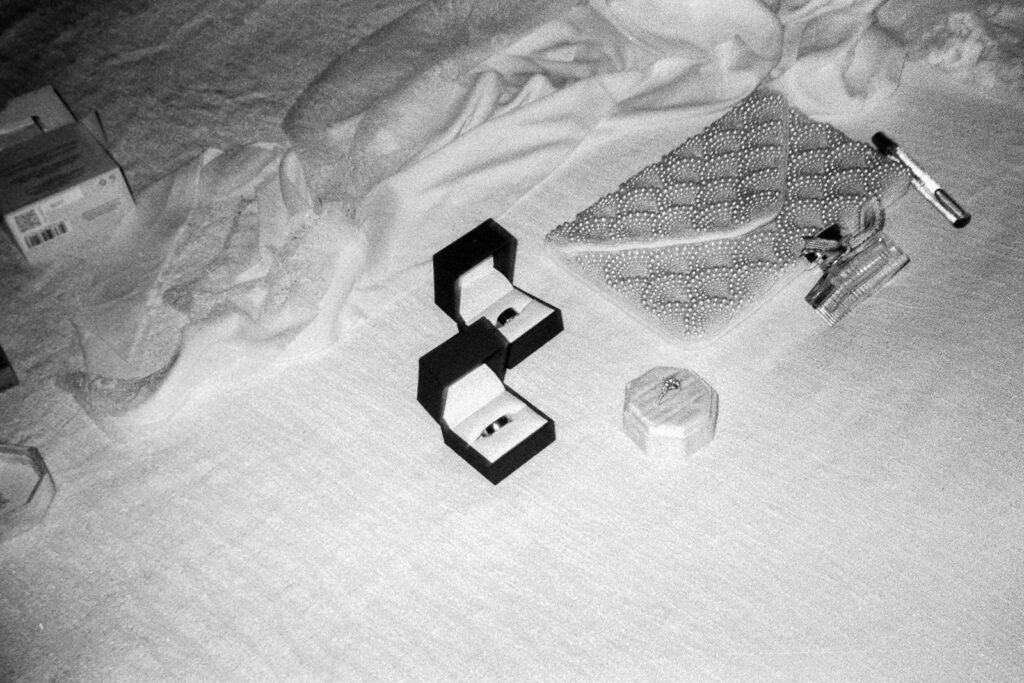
{"x":28,"y":220}
{"x":46,"y":234}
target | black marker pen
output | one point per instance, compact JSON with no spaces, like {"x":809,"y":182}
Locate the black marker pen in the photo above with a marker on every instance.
{"x":939,"y":198}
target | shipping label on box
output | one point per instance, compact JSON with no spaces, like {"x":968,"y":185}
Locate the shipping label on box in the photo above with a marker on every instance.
{"x":60,"y":191}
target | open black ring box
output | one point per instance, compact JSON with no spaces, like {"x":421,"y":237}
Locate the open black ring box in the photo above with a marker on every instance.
{"x":461,"y":385}
{"x":473,"y":279}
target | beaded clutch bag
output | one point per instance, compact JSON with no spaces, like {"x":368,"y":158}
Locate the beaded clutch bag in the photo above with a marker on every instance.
{"x":692,"y":242}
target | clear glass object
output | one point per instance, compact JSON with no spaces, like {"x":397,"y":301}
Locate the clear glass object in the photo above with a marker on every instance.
{"x":26,"y":490}
{"x":855,"y":277}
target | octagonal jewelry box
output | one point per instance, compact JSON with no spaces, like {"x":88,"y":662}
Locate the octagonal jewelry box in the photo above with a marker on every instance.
{"x":670,"y":411}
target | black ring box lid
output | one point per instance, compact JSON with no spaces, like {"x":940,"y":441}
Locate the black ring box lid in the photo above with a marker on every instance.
{"x":484,"y":241}
{"x":478,"y":344}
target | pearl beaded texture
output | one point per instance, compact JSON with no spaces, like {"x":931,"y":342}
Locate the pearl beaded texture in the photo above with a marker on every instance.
{"x":694,"y":240}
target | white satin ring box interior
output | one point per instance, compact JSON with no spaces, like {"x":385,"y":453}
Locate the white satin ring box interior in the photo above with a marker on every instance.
{"x":473,"y":280}
{"x":461,"y":385}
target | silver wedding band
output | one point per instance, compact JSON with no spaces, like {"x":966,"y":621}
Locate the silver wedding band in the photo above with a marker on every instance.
{"x":495,"y":426}
{"x":506,"y":315}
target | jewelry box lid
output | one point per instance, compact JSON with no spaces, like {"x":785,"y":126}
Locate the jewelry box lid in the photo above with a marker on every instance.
{"x":486,"y":240}
{"x":439,"y":368}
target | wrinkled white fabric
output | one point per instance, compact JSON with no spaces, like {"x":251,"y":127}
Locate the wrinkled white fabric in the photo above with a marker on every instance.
{"x":687,"y":26}
{"x":226,"y":270}
{"x":476,"y":109}
{"x":610,"y":73}
{"x":359,"y":122}
{"x":856,"y":517}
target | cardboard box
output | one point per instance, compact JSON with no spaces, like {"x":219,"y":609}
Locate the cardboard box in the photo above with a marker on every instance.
{"x":473,"y":280}
{"x":18,"y":131}
{"x":60,"y":190}
{"x":490,"y":426}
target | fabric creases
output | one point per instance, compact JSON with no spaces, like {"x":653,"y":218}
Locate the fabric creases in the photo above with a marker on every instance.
{"x":244,"y":272}
{"x":621,"y":70}
{"x":835,"y":60}
{"x":688,"y":27}
{"x":379,"y":103}
{"x":451,"y":114}
{"x":402,"y":92}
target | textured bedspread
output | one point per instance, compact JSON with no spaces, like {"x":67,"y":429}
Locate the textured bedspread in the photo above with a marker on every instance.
{"x":248,"y":489}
